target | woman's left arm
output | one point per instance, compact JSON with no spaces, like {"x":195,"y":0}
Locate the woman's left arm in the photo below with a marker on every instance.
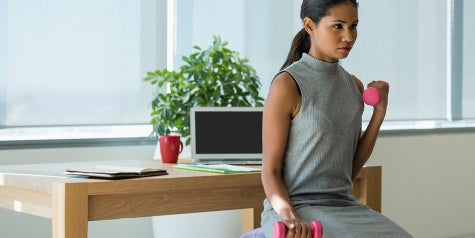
{"x":368,"y":139}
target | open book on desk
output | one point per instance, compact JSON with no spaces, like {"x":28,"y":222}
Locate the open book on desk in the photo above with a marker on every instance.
{"x":116,"y":172}
{"x":218,"y":168}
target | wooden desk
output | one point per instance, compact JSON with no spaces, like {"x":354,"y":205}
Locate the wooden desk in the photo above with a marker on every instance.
{"x":42,"y":190}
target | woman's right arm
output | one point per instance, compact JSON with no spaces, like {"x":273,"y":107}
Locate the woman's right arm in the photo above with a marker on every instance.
{"x":282,"y":104}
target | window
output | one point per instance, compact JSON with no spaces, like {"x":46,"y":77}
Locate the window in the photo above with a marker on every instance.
{"x":77,"y":62}
{"x":468,"y":51}
{"x":403,"y":42}
{"x":259,"y":30}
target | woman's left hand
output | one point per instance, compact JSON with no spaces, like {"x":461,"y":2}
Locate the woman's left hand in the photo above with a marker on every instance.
{"x":383,"y":88}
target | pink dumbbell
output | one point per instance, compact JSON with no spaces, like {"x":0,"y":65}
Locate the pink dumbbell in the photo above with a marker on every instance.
{"x":280,"y":230}
{"x":371,"y":96}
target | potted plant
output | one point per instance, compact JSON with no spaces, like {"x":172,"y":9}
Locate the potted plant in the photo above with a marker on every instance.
{"x":216,"y":76}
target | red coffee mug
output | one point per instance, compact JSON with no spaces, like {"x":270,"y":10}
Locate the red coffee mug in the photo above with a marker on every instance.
{"x":170,"y":148}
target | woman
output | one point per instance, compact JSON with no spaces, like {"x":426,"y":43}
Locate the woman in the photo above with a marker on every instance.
{"x":312,"y":142}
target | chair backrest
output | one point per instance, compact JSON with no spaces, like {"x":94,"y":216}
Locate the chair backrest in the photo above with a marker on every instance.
{"x":367,"y":187}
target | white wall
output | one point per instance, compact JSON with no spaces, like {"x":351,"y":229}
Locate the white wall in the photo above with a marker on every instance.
{"x":427,"y":188}
{"x":428,"y":182}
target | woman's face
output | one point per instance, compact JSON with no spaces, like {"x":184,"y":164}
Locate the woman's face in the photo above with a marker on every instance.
{"x":333,"y":38}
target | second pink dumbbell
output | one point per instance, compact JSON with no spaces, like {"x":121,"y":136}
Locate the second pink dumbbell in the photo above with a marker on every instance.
{"x":371,"y":96}
{"x":280,"y":230}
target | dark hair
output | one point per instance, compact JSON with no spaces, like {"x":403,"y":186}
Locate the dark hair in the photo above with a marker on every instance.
{"x":315,"y":10}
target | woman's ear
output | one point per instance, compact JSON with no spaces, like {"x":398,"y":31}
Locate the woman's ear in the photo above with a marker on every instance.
{"x":309,"y":25}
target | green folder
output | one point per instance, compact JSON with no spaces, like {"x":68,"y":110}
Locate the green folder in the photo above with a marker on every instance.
{"x":218,"y":168}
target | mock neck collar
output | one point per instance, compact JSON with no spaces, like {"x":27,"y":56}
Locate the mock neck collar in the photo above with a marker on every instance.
{"x":319,"y":64}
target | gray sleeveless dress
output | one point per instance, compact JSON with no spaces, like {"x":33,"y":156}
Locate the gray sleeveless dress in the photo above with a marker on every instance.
{"x":318,"y":158}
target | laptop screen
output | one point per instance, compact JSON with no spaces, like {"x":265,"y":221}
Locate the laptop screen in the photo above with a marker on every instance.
{"x":226,"y":134}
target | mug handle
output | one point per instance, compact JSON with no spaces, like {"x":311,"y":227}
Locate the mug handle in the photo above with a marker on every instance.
{"x":181,"y":147}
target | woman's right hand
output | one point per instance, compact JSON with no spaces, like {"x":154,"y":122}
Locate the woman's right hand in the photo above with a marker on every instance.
{"x":296,"y":228}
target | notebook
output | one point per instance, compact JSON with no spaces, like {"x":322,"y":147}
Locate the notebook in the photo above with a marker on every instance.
{"x":226,"y":135}
{"x":116,"y":172}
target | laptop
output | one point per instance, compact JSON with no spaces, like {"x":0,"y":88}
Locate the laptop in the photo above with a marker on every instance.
{"x":226,"y":135}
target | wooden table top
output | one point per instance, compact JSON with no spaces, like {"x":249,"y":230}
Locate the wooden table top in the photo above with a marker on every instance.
{"x":39,"y":177}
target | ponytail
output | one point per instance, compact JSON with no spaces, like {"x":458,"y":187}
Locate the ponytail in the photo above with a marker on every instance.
{"x":300,"y":45}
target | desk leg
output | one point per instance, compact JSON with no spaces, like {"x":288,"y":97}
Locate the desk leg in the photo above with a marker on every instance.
{"x":70,"y":210}
{"x":251,"y":219}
